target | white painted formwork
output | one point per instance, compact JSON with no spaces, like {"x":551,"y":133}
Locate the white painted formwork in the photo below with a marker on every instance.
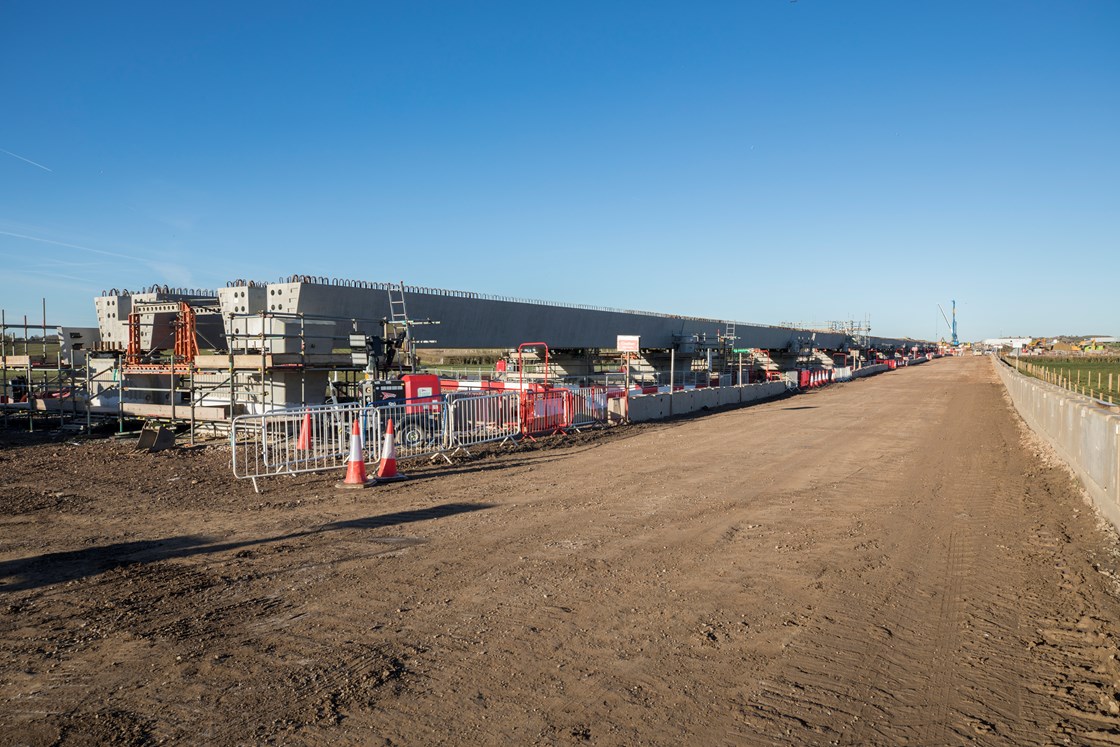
{"x":1085,"y":435}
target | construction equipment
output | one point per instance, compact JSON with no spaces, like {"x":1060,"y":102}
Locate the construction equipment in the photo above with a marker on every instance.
{"x":953,"y":325}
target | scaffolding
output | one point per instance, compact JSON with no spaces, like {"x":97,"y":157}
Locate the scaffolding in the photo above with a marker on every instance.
{"x":176,"y":382}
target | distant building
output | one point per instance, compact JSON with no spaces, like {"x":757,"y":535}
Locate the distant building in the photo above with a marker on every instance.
{"x":1015,"y":343}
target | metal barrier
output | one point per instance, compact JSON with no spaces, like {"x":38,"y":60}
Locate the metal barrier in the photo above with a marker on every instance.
{"x":483,"y":419}
{"x":420,"y":429}
{"x":315,"y":439}
{"x":589,"y":406}
{"x":289,"y":442}
{"x":545,"y":412}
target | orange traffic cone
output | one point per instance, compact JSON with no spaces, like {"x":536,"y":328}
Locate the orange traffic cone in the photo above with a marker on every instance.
{"x":356,"y":465}
{"x":387,"y":470}
{"x":304,"y":441}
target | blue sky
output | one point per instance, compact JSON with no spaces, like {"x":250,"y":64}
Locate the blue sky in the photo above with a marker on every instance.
{"x":763,"y":161}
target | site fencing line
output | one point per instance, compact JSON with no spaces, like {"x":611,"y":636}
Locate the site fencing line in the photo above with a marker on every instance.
{"x":588,"y":406}
{"x":545,"y":412}
{"x":317,"y":438}
{"x":483,"y":419}
{"x":290,"y":442}
{"x":421,"y":428}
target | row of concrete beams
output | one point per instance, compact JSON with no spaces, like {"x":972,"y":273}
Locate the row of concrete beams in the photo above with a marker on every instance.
{"x":319,"y":314}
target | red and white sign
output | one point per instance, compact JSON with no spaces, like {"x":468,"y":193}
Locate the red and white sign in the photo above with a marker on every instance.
{"x":628,"y":343}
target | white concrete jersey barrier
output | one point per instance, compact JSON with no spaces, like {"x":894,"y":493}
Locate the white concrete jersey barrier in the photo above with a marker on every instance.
{"x":648,"y":407}
{"x":1085,"y":434}
{"x":871,"y":370}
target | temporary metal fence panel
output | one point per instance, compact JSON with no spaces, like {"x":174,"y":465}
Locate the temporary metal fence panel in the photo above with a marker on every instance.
{"x":545,"y":412}
{"x":288,"y":442}
{"x":421,"y":428}
{"x":589,"y":406}
{"x":315,"y":439}
{"x":483,"y":419}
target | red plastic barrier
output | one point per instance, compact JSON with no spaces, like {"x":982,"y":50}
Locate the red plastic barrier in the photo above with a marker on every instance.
{"x":892,"y":364}
{"x":803,"y":378}
{"x":545,"y":411}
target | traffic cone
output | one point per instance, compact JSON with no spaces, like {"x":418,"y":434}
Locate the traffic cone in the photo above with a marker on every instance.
{"x":304,"y":441}
{"x":387,"y":470}
{"x":356,"y":465}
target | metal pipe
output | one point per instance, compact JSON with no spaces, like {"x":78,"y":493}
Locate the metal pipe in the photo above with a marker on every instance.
{"x":30,"y":380}
{"x":171,"y":374}
{"x":192,"y":393}
{"x":4,"y":357}
{"x":89,"y":397}
{"x":61,"y":400}
{"x":303,"y":362}
{"x":232,"y":340}
{"x":119,"y":373}
{"x":263,"y":395}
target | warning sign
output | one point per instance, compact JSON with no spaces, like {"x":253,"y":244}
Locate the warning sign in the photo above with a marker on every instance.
{"x":628,"y":343}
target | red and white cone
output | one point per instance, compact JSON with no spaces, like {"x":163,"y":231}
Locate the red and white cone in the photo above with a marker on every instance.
{"x":387,"y":470}
{"x":356,"y":465}
{"x":304,"y":442}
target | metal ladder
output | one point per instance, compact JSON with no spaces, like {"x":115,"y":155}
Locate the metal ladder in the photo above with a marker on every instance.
{"x":398,"y":314}
{"x":398,"y":320}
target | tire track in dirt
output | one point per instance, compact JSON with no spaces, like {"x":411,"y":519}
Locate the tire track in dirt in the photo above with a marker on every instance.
{"x":902,"y":648}
{"x":881,"y":565}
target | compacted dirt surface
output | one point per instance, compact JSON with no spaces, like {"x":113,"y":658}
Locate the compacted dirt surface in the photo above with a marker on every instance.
{"x":891,"y":561}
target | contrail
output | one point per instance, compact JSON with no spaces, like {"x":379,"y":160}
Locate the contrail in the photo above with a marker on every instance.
{"x":69,"y":246}
{"x":28,"y":160}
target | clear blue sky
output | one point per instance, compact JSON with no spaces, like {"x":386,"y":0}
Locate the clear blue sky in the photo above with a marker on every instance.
{"x":757,"y":160}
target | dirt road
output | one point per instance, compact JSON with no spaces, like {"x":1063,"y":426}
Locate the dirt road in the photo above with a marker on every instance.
{"x":884,"y":562}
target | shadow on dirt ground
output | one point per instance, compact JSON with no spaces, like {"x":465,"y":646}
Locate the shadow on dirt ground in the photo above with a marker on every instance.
{"x":59,"y":567}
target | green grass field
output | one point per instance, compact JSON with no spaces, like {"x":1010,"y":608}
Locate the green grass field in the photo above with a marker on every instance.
{"x":1090,"y":374}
